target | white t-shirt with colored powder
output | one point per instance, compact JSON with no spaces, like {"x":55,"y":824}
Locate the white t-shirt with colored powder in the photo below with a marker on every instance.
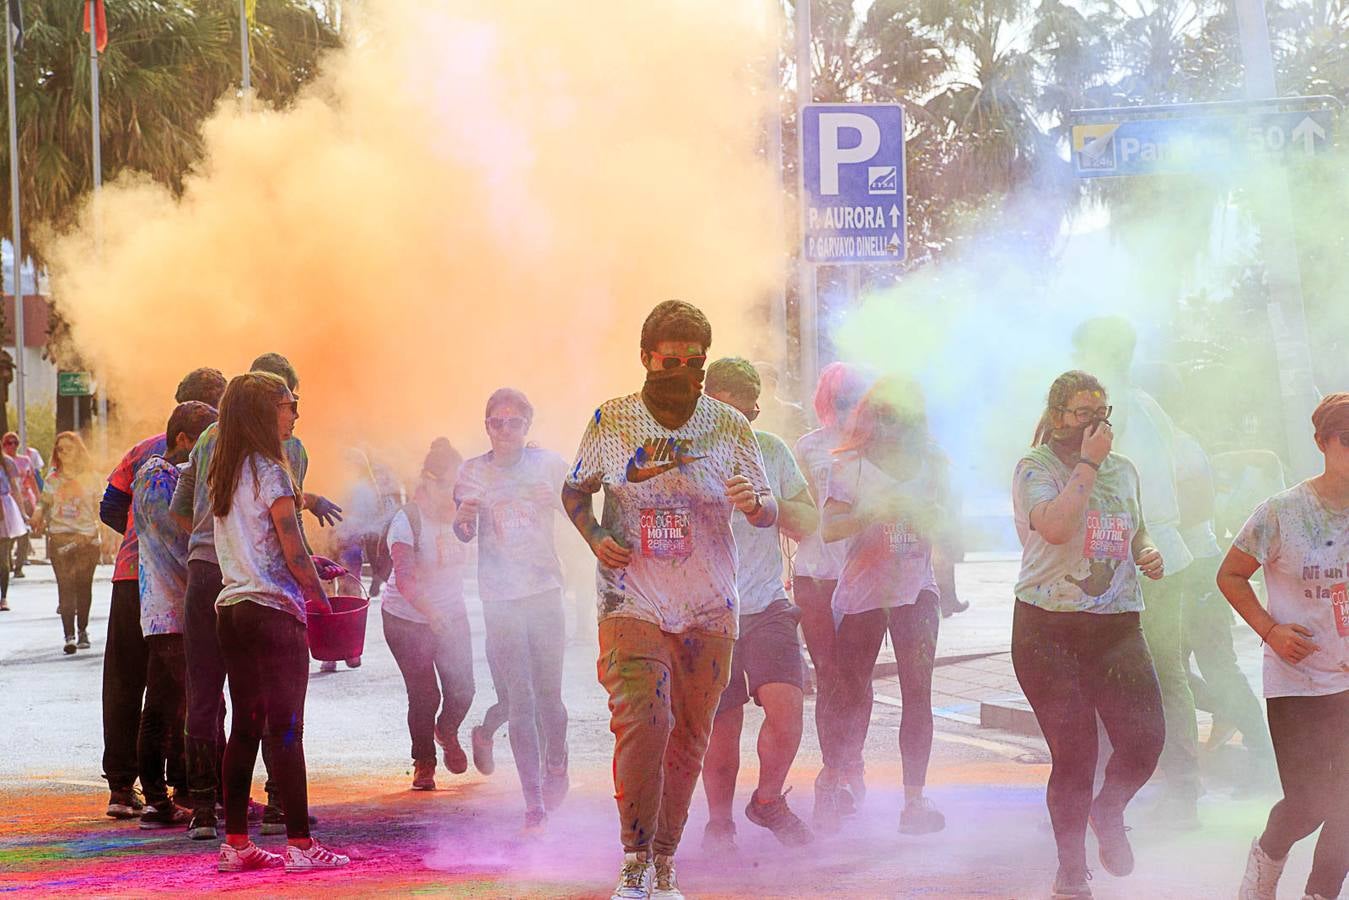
{"x":517,"y":556}
{"x":441,"y":561}
{"x":1303,"y":547}
{"x":1094,"y":571}
{"x":759,"y":577}
{"x":887,"y":563}
{"x":252,"y":563}
{"x":815,"y":453}
{"x":665,"y":499}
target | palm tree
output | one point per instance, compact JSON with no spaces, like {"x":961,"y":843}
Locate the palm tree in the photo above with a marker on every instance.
{"x":166,"y":65}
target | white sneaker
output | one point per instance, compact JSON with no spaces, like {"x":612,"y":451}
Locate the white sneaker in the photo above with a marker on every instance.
{"x":316,"y":856}
{"x":234,"y":859}
{"x":1261,"y":881}
{"x":664,"y":886}
{"x":634,"y":879}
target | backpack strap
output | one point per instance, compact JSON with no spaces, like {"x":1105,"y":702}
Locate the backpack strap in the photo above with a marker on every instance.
{"x":414,"y":514}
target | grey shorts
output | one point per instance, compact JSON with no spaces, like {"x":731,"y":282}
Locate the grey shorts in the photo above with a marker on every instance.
{"x":768,"y":651}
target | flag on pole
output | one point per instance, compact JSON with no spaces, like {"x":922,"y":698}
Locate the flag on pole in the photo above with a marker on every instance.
{"x":16,"y":24}
{"x":100,"y":22}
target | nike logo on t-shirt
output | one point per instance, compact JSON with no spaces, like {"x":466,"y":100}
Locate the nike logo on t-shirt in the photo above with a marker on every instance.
{"x":658,"y":456}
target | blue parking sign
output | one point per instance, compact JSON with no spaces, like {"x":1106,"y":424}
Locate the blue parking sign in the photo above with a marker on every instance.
{"x":852,"y":178}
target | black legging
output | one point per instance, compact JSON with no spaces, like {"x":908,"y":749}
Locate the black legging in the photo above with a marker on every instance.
{"x":1311,"y":745}
{"x":6,"y":555}
{"x":266,"y":655}
{"x":1074,"y":666}
{"x":913,"y":634}
{"x":438,"y":673}
{"x":74,"y":558}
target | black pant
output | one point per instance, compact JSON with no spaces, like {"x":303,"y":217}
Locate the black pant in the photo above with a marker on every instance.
{"x":6,"y":553}
{"x":266,"y":654}
{"x":1221,"y":687}
{"x":913,"y":633}
{"x":1074,"y":666}
{"x":160,"y":745}
{"x":438,"y":673}
{"x":815,"y":598}
{"x":1311,"y":745}
{"x":23,"y":548}
{"x":124,"y":659}
{"x":74,"y":558}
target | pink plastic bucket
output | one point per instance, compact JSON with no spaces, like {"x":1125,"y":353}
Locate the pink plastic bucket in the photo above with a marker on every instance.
{"x":339,"y":635}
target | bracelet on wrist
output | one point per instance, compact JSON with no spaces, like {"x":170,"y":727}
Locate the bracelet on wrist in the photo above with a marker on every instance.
{"x":1267,"y":631}
{"x":1086,"y":462}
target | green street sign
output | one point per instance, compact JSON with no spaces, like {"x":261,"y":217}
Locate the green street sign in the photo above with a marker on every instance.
{"x":74,"y":384}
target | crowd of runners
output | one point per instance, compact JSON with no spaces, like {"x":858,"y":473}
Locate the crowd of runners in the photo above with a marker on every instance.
{"x":700,"y":611}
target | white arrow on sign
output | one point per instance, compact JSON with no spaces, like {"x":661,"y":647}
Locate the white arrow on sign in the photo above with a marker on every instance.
{"x":895,"y":216}
{"x":1309,"y":133}
{"x":893,"y":246}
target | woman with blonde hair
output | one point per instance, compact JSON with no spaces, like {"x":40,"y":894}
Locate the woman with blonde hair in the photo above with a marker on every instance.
{"x":68,"y":514}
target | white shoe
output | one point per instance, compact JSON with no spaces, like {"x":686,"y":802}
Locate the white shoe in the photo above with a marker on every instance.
{"x":234,"y":859}
{"x":634,"y":879}
{"x":1261,"y":881}
{"x":664,"y":886}
{"x":316,"y":856}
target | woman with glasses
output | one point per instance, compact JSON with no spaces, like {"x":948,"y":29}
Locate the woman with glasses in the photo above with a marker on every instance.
{"x":509,"y":499}
{"x":68,"y":514}
{"x":886,"y":498}
{"x":1301,"y":539}
{"x":27,"y":490}
{"x":425,"y":623}
{"x":1077,"y":643}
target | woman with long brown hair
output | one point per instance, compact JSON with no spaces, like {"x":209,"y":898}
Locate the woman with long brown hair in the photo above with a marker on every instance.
{"x":1077,"y":642}
{"x":886,"y":497}
{"x":269,"y":585}
{"x":68,"y":513}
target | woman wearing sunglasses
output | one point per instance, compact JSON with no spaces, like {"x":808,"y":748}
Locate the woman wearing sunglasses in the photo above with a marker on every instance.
{"x":509,"y":500}
{"x":1077,"y":641}
{"x":1301,"y":539}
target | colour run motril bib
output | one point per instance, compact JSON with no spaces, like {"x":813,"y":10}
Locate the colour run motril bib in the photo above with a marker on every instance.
{"x":1107,"y":535}
{"x":1339,"y":600}
{"x":666,"y":533}
{"x":512,"y":516}
{"x":902,"y":541}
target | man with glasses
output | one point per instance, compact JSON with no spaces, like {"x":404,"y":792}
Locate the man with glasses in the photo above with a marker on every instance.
{"x":1104,"y":346}
{"x":766,"y":664}
{"x":674,"y":465}
{"x":508,"y":500}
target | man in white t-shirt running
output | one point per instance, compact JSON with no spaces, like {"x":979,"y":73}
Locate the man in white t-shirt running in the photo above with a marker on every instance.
{"x":674,"y":465}
{"x":766,"y":664}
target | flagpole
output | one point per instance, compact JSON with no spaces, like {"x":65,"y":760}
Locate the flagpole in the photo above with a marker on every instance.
{"x":96,"y":128}
{"x":246,"y":77}
{"x":20,"y":403}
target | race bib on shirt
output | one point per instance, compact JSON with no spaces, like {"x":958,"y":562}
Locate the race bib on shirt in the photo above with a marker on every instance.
{"x":1107,"y":535}
{"x":512,"y":516}
{"x":902,"y":540}
{"x":1339,"y":601}
{"x":666,"y":533}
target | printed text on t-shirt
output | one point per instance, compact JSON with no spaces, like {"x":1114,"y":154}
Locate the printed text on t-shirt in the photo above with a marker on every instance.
{"x":666,"y":533}
{"x":1107,"y":535}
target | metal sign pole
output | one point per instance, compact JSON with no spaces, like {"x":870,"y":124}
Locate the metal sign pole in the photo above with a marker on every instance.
{"x":20,"y":400}
{"x":1297,"y":384}
{"x":806,"y":303}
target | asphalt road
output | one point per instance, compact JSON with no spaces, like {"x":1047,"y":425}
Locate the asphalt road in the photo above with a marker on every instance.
{"x":464,"y":840}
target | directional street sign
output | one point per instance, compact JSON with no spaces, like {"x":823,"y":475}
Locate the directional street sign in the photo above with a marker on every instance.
{"x":1197,"y":144}
{"x":74,"y":384}
{"x":852,"y":175}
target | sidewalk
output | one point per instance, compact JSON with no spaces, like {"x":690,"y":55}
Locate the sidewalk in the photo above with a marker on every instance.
{"x":973,"y":682}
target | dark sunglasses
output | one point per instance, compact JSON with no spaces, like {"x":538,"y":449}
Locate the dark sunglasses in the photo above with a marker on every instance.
{"x":293,"y":404}
{"x":674,"y":362}
{"x":501,"y":423}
